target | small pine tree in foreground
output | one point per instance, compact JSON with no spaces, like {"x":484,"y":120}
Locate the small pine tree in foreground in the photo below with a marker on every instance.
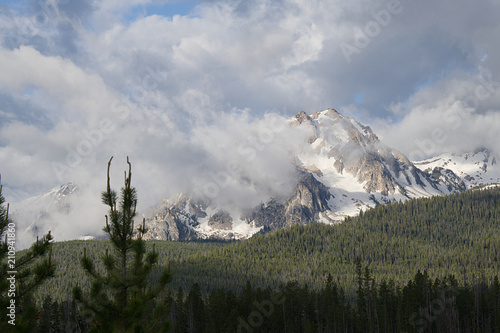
{"x":122,"y":299}
{"x":20,"y":275}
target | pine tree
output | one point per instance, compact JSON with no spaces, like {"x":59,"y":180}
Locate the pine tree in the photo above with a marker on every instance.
{"x":179,"y":314}
{"x":21,"y":275}
{"x":196,"y":312}
{"x":44,"y":324}
{"x":123,"y":298}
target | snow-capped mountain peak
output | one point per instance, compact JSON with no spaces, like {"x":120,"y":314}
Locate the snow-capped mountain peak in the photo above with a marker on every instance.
{"x":348,"y":155}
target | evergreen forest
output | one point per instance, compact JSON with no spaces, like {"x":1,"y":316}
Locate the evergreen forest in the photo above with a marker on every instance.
{"x":425,"y":265}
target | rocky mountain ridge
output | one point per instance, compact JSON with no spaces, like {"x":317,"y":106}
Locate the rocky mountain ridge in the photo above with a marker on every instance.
{"x":463,"y":171}
{"x":344,"y":168}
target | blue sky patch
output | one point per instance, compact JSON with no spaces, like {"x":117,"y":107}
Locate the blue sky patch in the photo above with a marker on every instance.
{"x":358,"y":98}
{"x":168,"y":9}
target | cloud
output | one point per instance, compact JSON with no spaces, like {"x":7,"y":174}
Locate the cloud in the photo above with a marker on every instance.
{"x":240,"y":149}
{"x":459,"y":113}
{"x":185,"y":95}
{"x":91,"y":122}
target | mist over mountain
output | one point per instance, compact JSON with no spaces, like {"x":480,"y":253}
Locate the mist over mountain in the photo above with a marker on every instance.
{"x":343,"y":169}
{"x":322,"y":167}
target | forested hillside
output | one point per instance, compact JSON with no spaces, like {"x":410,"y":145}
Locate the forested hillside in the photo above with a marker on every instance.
{"x":66,"y":256}
{"x":426,"y":265}
{"x":457,"y":234}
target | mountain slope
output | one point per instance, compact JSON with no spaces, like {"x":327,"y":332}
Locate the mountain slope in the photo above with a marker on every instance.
{"x":456,"y":234}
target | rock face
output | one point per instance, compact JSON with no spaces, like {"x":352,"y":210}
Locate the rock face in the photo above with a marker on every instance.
{"x":309,"y":198}
{"x":174,"y":219}
{"x":221,"y":220}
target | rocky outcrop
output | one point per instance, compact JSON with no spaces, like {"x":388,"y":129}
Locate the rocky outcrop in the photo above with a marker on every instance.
{"x":300,"y":117}
{"x":174,"y":220}
{"x":309,"y":198}
{"x":221,"y":220}
{"x":448,"y":178}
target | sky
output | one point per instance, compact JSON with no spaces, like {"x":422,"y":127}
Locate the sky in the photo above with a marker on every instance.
{"x":190,"y":90}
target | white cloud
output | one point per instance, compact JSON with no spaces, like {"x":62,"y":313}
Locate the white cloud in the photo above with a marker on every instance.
{"x":169,"y":92}
{"x":457,"y":114}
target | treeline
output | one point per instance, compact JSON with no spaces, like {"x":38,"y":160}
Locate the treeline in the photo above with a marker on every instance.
{"x":421,"y":305}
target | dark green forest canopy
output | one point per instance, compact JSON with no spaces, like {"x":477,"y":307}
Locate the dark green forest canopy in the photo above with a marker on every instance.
{"x":457,"y":234}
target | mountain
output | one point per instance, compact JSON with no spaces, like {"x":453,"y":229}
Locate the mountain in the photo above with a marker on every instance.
{"x":34,"y":215}
{"x":348,"y":158}
{"x":463,"y":171}
{"x":64,"y":210}
{"x":344,"y":169}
